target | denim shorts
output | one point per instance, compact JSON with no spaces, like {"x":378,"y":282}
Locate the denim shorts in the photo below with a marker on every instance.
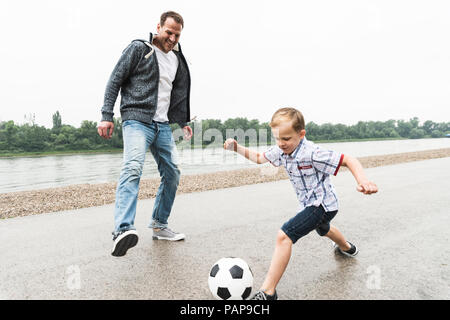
{"x":311,"y":218}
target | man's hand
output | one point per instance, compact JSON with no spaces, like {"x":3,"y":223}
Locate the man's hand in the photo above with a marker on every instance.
{"x":105,"y":129}
{"x":230,"y":144}
{"x":187,"y":133}
{"x":367,"y":187}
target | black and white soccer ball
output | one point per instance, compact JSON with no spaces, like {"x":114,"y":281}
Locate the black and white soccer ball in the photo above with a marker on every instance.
{"x":230,"y":279}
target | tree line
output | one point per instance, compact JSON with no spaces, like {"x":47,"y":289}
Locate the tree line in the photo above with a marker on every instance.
{"x":30,"y":137}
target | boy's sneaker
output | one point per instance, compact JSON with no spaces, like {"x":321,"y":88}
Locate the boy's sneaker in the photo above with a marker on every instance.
{"x":261,"y":295}
{"x":352,"y":252}
{"x":124,"y":240}
{"x":167,"y":234}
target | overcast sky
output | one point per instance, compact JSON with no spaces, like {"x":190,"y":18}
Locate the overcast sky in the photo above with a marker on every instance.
{"x":336,"y":61}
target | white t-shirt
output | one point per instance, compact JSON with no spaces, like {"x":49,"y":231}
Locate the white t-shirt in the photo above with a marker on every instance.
{"x":168,"y":65}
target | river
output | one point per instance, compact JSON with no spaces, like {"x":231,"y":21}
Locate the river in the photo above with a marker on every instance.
{"x":30,"y":173}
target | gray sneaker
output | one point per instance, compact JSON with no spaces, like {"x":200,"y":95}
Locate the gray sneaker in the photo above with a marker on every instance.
{"x":167,"y":234}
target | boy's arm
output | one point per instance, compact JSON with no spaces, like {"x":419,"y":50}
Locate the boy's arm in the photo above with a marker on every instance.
{"x":231,"y":144}
{"x":364,"y":185}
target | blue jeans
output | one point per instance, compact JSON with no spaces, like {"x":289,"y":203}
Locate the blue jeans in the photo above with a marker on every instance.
{"x":311,"y":218}
{"x":138,"y":137}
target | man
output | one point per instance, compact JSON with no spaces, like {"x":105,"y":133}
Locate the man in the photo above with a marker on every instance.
{"x":154,"y":81}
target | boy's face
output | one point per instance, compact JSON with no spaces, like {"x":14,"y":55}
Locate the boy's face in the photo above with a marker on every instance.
{"x":286,"y":136}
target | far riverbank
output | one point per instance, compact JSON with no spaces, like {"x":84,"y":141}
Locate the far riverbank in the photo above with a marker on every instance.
{"x":180,"y":145}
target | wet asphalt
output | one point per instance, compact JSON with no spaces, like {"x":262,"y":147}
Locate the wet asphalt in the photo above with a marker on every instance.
{"x":402,"y":234}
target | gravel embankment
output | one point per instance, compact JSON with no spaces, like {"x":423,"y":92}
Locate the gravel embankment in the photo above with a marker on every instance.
{"x":25,"y":203}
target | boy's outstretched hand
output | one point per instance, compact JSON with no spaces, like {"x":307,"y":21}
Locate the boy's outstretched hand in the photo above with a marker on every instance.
{"x":364,"y":185}
{"x":367,"y":187}
{"x":230,"y":144}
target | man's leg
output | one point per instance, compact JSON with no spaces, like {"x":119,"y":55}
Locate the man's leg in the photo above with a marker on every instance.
{"x":165,"y":153}
{"x":136,"y":138}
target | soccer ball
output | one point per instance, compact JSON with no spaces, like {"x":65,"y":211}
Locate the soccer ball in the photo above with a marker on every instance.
{"x":230,"y":279}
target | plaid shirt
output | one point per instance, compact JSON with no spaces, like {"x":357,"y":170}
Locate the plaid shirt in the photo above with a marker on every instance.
{"x":309,"y":168}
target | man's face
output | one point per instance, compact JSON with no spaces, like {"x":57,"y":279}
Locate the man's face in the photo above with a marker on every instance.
{"x":286,"y":136}
{"x":168,"y":34}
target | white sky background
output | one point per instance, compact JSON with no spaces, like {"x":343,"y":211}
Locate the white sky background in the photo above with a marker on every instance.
{"x":336,"y":61}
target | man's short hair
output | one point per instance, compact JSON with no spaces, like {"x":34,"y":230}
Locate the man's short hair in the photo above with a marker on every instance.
{"x":171,"y":14}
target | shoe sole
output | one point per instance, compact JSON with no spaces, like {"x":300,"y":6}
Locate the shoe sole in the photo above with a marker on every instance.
{"x":336,"y":248}
{"x":168,"y":239}
{"x":348,"y":254}
{"x":128,"y":241}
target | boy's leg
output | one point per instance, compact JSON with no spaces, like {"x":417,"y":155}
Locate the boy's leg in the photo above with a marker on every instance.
{"x":280,"y":260}
{"x":297,"y":227}
{"x":335,"y":235}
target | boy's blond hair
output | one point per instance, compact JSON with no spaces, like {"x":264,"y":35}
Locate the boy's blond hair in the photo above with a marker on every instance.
{"x":288,"y":114}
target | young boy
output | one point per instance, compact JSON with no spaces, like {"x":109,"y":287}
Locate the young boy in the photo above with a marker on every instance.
{"x":309,"y":168}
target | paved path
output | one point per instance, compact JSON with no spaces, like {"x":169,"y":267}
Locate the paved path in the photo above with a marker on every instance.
{"x":403,"y":234}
